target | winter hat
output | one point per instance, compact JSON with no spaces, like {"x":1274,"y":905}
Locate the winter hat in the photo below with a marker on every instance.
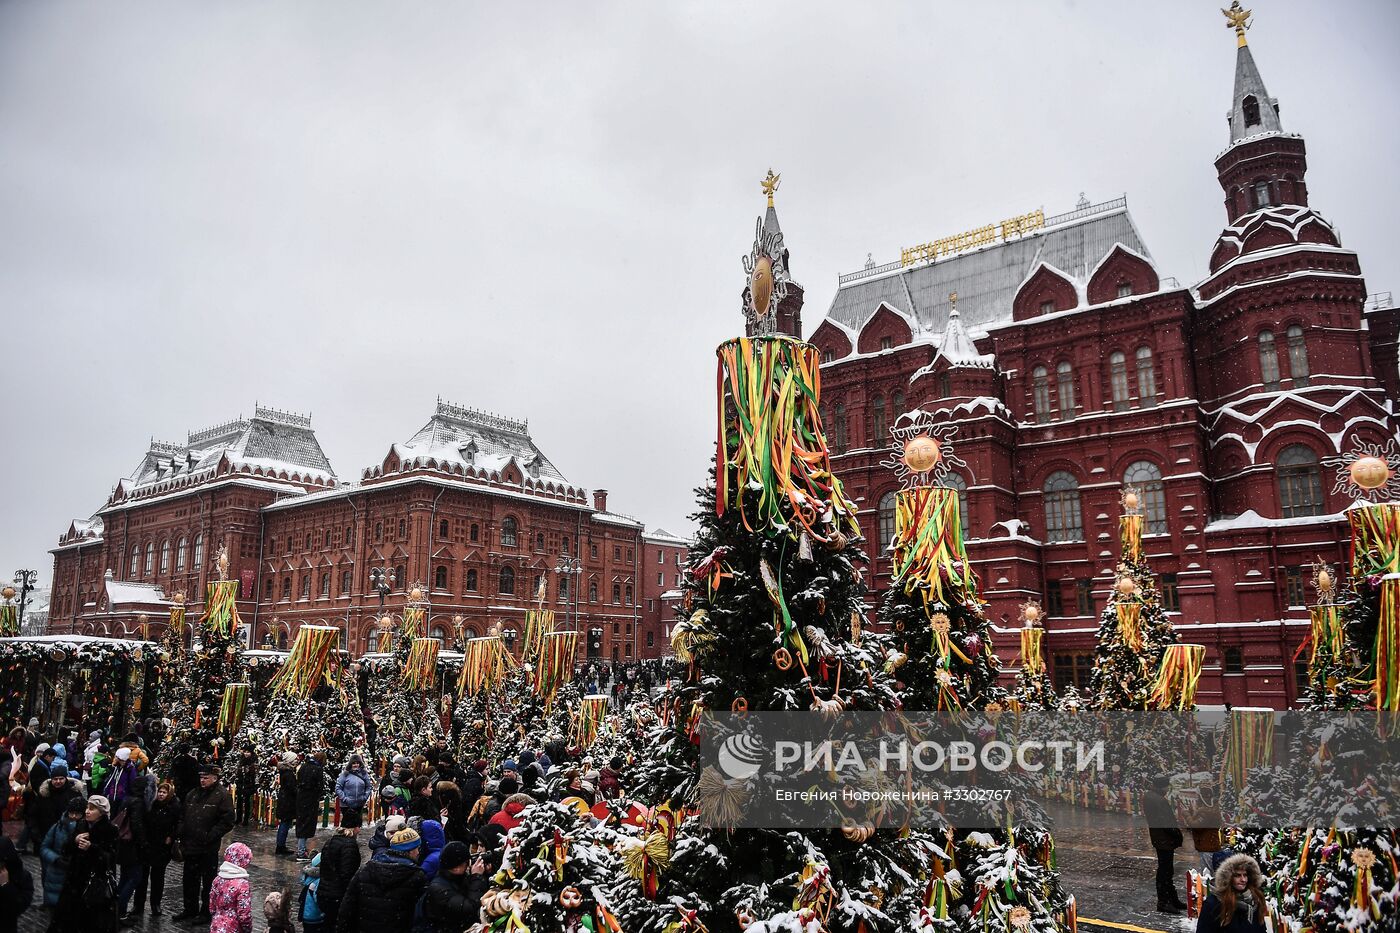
{"x":479,"y":764}
{"x":59,"y":770}
{"x":101,"y":803}
{"x":75,"y":807}
{"x":238,"y":854}
{"x":1232,"y":864}
{"x":405,"y":840}
{"x":509,"y":765}
{"x":123,"y":754}
{"x":33,"y":722}
{"x":289,"y":758}
{"x":43,"y":749}
{"x":394,"y":823}
{"x":453,"y":854}
{"x":210,"y":767}
{"x":351,"y":819}
{"x":388,"y":792}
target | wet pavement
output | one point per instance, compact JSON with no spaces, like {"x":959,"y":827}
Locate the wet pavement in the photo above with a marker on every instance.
{"x":1105,"y":862}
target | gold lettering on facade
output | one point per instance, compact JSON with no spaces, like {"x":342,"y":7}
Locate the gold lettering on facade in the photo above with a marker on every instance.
{"x":971,"y":239}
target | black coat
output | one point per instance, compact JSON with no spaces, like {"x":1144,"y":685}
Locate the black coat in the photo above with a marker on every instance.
{"x":286,"y":793}
{"x":453,"y":902}
{"x":18,"y":893}
{"x":381,"y":897}
{"x":208,"y":817}
{"x":184,"y":774}
{"x":75,"y":913}
{"x":1210,"y":919}
{"x":340,"y":859}
{"x":51,"y":802}
{"x":162,"y":822}
{"x":311,"y":788}
{"x":133,"y":805}
{"x":423,"y":807}
{"x":1161,"y":822}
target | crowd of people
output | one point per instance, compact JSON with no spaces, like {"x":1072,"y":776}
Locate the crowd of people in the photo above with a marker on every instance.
{"x":105,"y":828}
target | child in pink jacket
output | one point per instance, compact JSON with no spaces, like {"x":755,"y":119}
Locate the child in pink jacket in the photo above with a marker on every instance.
{"x":230,"y":899}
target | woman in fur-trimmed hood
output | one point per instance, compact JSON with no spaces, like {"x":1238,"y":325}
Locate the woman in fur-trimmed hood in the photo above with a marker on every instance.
{"x":1236,"y":902}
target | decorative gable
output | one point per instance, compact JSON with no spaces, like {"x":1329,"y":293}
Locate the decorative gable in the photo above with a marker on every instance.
{"x":1121,"y":269}
{"x":886,"y":328}
{"x":1045,"y":291}
{"x":831,"y":340}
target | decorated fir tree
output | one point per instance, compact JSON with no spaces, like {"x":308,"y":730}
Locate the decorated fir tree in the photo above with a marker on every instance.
{"x":401,"y":678}
{"x":1134,"y":630}
{"x":194,"y":680}
{"x":1033,"y":689}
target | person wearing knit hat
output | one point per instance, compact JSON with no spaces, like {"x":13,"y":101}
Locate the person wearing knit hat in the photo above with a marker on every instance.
{"x":94,"y":853}
{"x":340,"y":859}
{"x":101,"y":803}
{"x":383,"y":830}
{"x":453,"y":899}
{"x":384,"y":892}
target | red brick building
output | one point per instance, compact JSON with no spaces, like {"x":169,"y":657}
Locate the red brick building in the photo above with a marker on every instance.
{"x":663,"y":566}
{"x":468,"y":507}
{"x":1072,"y":367}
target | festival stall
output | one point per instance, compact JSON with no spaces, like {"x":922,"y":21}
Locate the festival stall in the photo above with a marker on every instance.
{"x":69,"y":681}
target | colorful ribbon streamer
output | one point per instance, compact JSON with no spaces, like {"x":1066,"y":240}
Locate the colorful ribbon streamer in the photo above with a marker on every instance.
{"x":556,"y":664}
{"x":1250,"y":742}
{"x":1178,"y":677}
{"x":1387,"y":651}
{"x":1375,"y":539}
{"x":1130,"y":537}
{"x":233,"y":708}
{"x":310,"y":662}
{"x":484,"y":665}
{"x":538,"y":623}
{"x":221,"y":607}
{"x":420,"y":672}
{"x":770,"y":436}
{"x":9,"y":620}
{"x":590,"y":719}
{"x":1128,"y":623}
{"x":1032,"y":661}
{"x":928,"y":545}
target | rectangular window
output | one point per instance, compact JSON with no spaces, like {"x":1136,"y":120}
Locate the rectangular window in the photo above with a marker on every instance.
{"x":1084,"y":597}
{"x":1072,"y":669}
{"x":661,"y":557}
{"x":651,"y":639}
{"x":1233,"y":661}
{"x":1301,"y":674}
{"x":1054,"y":600}
{"x":1125,"y":289}
{"x":660,"y":578}
{"x":1171,"y":599}
{"x":886,"y":343}
{"x":1293,"y":586}
{"x":617,"y":552}
{"x":345,"y":583}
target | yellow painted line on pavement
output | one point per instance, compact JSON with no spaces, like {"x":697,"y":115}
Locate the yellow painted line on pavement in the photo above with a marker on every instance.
{"x":1120,"y":926}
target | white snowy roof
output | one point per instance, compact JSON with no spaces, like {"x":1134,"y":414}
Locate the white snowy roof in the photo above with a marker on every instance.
{"x":459,"y":435}
{"x":662,"y":536}
{"x":122,"y":593}
{"x":1252,"y":519}
{"x":612,"y":518}
{"x":957,"y":347}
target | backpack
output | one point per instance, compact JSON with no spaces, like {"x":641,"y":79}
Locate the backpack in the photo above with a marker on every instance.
{"x":122,"y":824}
{"x":310,"y":909}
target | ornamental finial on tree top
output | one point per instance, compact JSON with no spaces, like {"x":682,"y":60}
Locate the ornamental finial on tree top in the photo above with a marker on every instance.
{"x":1131,"y":500}
{"x":1368,"y":471}
{"x":1324,"y":581}
{"x":770,"y":184}
{"x":921,"y":452}
{"x":1237,"y":18}
{"x":1031,"y":613}
{"x":222,"y":562}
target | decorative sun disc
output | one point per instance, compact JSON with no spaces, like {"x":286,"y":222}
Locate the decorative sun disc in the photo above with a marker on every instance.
{"x":1363,"y":857}
{"x":761,"y":285}
{"x":1368,"y":471}
{"x":921,"y":453}
{"x":921,"y":450}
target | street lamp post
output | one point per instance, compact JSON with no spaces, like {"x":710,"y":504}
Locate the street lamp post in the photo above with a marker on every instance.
{"x":572,"y":567}
{"x":382,"y":582}
{"x":26,"y":581}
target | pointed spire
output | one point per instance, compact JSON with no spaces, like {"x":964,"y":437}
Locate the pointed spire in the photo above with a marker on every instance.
{"x":956,"y":346}
{"x":1252,"y":112}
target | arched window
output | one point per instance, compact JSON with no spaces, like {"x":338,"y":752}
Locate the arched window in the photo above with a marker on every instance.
{"x":378,"y":532}
{"x":898,"y":400}
{"x":308,"y":540}
{"x":1148,"y":479}
{"x":838,"y":428}
{"x":1297,"y":356}
{"x":1250,"y":106}
{"x":539,"y":541}
{"x":1146,"y":378}
{"x":617,"y":594}
{"x":400,"y":576}
{"x":286,"y":588}
{"x":507,"y":582}
{"x":133,"y":569}
{"x":1299,"y":482}
{"x":884,"y":522}
{"x":1063,"y":520}
{"x":165,"y":556}
{"x":627,"y":595}
{"x":475,"y":532}
{"x":440,"y":578}
{"x":954,"y":481}
{"x":508,"y":532}
{"x":349,"y":536}
{"x":564,"y":545}
{"x":1268,"y":360}
{"x":180,"y":555}
{"x":197,"y":563}
{"x":150,"y":558}
{"x":592,"y":591}
{"x":325,"y":584}
{"x":1261,"y":194}
{"x":1040,"y":394}
{"x":346,"y":582}
{"x":1064,"y":388}
{"x":471,"y":581}
{"x":403,"y":529}
{"x":879,"y":421}
{"x":444,"y":530}
{"x":1118,"y":380}
{"x":306,"y":585}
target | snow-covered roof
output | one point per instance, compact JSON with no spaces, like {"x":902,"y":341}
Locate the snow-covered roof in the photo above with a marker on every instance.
{"x":459,"y":435}
{"x":957,"y":347}
{"x":123,"y":593}
{"x":612,"y":518}
{"x":986,"y":279}
{"x":1252,"y":519}
{"x":662,"y":536}
{"x":273,"y":444}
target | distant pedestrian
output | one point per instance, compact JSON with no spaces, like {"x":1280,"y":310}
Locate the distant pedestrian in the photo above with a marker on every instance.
{"x":353,"y":788}
{"x":286,"y":800}
{"x":1166,"y":838}
{"x":246,"y":781}
{"x":311,"y":789}
{"x":207,"y":818}
{"x":162,"y":823}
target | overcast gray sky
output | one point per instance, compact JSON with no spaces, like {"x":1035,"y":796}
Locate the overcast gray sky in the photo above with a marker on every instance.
{"x":350,"y":208}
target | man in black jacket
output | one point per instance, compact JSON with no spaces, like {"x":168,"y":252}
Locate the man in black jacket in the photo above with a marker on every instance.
{"x":1166,"y":838}
{"x":286,"y":799}
{"x":453,"y":899}
{"x":383,"y":894}
{"x":208,"y":817}
{"x":311,"y":789}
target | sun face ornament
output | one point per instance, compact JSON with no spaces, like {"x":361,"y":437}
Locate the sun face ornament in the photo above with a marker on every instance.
{"x":1368,"y":471}
{"x":921,"y":450}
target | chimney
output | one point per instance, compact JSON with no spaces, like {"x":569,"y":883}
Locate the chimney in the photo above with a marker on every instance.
{"x":600,"y":500}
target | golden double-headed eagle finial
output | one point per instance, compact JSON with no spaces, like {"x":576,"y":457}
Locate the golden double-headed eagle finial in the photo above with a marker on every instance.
{"x":1237,"y":18}
{"x":769,"y":185}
